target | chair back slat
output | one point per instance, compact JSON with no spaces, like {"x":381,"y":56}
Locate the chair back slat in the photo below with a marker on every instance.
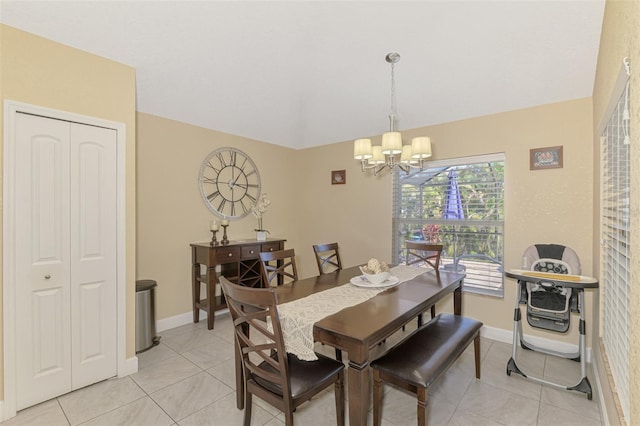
{"x":428,"y":253}
{"x":327,"y":257}
{"x":280,"y":265}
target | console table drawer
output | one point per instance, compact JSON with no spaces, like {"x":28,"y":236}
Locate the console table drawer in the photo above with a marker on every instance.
{"x":227,"y":254}
{"x":270,"y":247}
{"x":238,"y":261}
{"x":250,"y":252}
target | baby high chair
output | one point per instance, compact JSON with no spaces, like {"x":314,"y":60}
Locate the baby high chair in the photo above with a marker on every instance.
{"x":550,"y":298}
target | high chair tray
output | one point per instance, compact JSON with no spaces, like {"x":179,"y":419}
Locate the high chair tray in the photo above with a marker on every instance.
{"x":564,"y":279}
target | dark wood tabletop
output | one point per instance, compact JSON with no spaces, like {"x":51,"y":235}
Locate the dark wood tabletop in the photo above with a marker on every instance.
{"x":359,"y":329}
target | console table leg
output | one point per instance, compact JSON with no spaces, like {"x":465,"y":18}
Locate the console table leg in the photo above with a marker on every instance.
{"x":211,"y":297}
{"x":195,"y":291}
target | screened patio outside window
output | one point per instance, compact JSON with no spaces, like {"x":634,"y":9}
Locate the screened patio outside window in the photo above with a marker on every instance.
{"x":460,"y":204}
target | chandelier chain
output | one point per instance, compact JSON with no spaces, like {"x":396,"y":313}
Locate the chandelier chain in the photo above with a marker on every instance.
{"x":392,"y":113}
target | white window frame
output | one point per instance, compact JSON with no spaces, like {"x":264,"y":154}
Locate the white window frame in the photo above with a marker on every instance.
{"x":497,"y":281}
{"x":615,"y":238}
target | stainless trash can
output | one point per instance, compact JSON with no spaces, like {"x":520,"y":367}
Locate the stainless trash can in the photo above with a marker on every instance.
{"x":145,"y":315}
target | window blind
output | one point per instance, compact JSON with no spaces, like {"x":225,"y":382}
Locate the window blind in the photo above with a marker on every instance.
{"x":615,"y":279}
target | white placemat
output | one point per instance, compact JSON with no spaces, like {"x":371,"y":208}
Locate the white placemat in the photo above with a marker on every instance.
{"x":297,"y":317}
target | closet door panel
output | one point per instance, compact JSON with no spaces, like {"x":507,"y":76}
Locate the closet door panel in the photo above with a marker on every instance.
{"x":43,"y":339}
{"x":93,"y":253}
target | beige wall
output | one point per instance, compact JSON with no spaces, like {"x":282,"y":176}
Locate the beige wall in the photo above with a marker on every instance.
{"x":171,"y":213}
{"x":541,"y":206}
{"x":620,"y":38}
{"x":37,"y":71}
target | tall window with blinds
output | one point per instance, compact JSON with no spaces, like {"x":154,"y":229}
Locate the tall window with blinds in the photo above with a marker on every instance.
{"x":458,"y":203}
{"x":616,"y":250}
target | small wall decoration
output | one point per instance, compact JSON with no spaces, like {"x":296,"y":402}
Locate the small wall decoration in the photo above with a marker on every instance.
{"x":338,"y":177}
{"x":545,"y":158}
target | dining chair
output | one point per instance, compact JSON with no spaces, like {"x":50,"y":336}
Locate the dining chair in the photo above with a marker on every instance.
{"x":279,"y":264}
{"x":328,"y":260}
{"x":428,"y":253}
{"x":271,"y":374}
{"x":327,"y":257}
{"x":419,"y":252}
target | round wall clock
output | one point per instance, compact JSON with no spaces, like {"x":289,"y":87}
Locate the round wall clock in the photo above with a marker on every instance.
{"x":229,"y":183}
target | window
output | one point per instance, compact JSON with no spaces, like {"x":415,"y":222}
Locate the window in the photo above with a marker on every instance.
{"x":459,"y":203}
{"x":615,"y":239}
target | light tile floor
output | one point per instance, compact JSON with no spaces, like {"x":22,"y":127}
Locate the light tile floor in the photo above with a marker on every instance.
{"x":189,"y":380}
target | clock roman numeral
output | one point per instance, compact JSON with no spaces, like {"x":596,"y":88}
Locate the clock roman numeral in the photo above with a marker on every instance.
{"x":251,"y":197}
{"x":222,"y":160}
{"x":243,"y":163}
{"x":212,"y":167}
{"x":245,"y":209}
{"x":213,"y":195}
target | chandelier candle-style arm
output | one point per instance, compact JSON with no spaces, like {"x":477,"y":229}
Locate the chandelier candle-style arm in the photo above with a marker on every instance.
{"x":392,"y":152}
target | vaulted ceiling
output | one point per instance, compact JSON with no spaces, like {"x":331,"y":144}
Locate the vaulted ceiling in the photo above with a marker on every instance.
{"x":308,"y":73}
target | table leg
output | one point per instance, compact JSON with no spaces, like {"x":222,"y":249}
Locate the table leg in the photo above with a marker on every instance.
{"x":358,"y":393}
{"x":457,"y":300}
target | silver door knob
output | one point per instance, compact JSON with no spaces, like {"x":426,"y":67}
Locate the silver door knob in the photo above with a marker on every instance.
{"x":46,"y":277}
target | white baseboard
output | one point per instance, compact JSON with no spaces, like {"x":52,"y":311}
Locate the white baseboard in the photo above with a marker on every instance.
{"x":493,"y":333}
{"x":506,"y":336}
{"x":182,"y":319}
{"x":130,"y":367}
{"x":600,"y":394}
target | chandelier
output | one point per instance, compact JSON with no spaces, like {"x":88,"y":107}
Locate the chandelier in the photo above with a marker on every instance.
{"x":392,"y":152}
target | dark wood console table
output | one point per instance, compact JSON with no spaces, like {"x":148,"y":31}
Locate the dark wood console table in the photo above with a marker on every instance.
{"x":239,"y":262}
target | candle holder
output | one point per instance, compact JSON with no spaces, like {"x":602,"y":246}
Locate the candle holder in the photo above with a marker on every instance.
{"x":225,"y":240}
{"x":214,"y":241}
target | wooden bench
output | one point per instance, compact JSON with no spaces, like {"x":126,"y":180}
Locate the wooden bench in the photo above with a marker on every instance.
{"x":422,"y":357}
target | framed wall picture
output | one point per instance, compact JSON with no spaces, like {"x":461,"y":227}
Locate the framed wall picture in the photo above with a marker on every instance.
{"x":545,"y":158}
{"x":338,"y":177}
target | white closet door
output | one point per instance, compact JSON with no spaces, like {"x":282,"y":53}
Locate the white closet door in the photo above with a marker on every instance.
{"x":43,"y":299}
{"x":65,"y":257}
{"x":93,"y":254}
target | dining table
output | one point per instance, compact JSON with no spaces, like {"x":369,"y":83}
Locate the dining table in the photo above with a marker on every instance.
{"x":360,"y":330}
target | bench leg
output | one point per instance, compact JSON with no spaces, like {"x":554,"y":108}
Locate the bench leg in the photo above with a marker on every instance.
{"x":476,"y":347}
{"x":377,"y":398}
{"x":422,"y":406}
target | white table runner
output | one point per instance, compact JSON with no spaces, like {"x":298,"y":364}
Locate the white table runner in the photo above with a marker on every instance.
{"x":297,"y":317}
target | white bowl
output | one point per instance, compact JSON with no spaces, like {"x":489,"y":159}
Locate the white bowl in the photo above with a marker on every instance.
{"x":377,"y":278}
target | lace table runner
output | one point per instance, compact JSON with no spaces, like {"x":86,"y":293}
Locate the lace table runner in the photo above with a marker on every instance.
{"x":297,"y":317}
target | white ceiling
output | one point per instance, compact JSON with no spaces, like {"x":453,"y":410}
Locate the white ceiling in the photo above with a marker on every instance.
{"x":308,"y":73}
